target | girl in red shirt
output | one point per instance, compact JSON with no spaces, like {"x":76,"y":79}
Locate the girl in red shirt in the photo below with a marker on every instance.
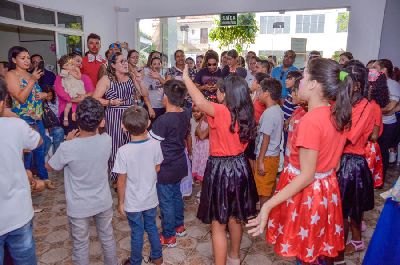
{"x":228,"y":194}
{"x":354,"y":176}
{"x":378,"y":95}
{"x":304,"y":217}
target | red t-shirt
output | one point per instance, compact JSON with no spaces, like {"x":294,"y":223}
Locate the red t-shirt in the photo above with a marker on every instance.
{"x":362,"y":124}
{"x":91,"y":69}
{"x":222,"y":141}
{"x":377,"y":114}
{"x":258,"y":110}
{"x":317,"y":132}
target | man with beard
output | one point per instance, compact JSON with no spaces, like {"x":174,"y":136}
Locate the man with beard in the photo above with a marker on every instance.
{"x":280,"y":72}
{"x":92,"y":62}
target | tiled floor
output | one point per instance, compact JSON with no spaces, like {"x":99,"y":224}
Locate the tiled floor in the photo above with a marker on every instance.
{"x":54,"y":244}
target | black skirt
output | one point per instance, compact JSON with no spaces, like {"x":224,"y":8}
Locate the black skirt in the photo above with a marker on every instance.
{"x":228,"y":190}
{"x":356,"y":186}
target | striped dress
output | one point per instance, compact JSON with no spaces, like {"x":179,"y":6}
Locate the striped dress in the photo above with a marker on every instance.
{"x":125,"y":91}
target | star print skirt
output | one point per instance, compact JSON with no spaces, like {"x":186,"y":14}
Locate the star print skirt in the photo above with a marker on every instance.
{"x":373,"y":156}
{"x":356,"y":186}
{"x":310,"y":224}
{"x":228,"y":190}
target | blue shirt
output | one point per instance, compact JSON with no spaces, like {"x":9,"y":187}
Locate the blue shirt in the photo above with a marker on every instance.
{"x":281,"y":75}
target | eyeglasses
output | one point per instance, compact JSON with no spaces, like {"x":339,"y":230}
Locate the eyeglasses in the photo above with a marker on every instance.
{"x":211,"y":64}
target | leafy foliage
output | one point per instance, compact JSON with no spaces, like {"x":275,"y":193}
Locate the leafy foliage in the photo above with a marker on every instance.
{"x":236,"y":36}
{"x":343,"y":21}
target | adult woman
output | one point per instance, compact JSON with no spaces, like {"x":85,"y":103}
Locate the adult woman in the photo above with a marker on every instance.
{"x":27,"y":99}
{"x":154,"y":82}
{"x":64,"y":98}
{"x":233,"y":65}
{"x":208,"y":76}
{"x":137,"y":74}
{"x":176,"y":71}
{"x":116,"y":91}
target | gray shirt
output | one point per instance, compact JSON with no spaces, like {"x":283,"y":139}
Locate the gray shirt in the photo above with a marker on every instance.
{"x":155,"y":88}
{"x":85,"y":163}
{"x":271,"y":123}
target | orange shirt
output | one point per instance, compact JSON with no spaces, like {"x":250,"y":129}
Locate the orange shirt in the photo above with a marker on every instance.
{"x":91,"y":69}
{"x":222,"y":141}
{"x":377,"y":114}
{"x":362,"y":124}
{"x":258,"y":110}
{"x":317,"y":132}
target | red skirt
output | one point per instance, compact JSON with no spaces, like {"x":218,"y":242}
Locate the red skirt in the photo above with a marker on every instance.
{"x":310,"y":224}
{"x":373,"y":156}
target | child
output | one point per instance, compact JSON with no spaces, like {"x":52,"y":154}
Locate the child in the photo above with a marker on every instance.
{"x":294,"y":121}
{"x":354,"y":176}
{"x":292,"y":82}
{"x":137,"y":164}
{"x":200,"y":149}
{"x":228,"y":194}
{"x":304,"y":216}
{"x":259,"y":108}
{"x":16,"y":232}
{"x":72,"y":83}
{"x":84,"y":157}
{"x":378,"y":96}
{"x":171,"y":130}
{"x":269,"y":138}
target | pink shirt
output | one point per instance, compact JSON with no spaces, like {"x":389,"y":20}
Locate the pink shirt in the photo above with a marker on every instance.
{"x":64,"y":98}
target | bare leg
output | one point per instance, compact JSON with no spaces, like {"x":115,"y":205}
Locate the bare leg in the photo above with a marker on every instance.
{"x":236,"y":233}
{"x":220,"y":242}
{"x":346,"y":225}
{"x":67,"y":109}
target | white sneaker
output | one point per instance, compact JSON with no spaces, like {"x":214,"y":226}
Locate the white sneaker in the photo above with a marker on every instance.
{"x":392,"y":157}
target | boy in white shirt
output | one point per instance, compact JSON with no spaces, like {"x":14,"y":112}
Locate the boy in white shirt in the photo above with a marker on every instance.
{"x":15,"y":194}
{"x":137,"y":164}
{"x":84,"y":157}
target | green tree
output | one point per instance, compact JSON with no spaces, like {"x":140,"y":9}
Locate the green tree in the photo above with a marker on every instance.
{"x":236,"y":36}
{"x":343,"y":21}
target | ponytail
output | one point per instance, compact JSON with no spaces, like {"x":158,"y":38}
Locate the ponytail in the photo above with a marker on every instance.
{"x":341,"y":110}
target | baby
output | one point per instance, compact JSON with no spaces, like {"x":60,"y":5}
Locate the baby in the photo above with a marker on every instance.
{"x":72,"y":83}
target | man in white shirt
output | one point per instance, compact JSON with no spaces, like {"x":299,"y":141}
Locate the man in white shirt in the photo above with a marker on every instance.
{"x":15,"y":195}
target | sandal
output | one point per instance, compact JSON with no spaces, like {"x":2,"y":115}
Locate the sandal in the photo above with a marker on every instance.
{"x":358,"y":246}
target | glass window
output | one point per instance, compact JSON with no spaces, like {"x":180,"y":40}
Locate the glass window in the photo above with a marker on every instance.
{"x":69,"y":43}
{"x":69,"y":21}
{"x":343,"y":22}
{"x":38,"y":15}
{"x":267,"y":24}
{"x":204,"y":35}
{"x":9,"y":10}
{"x":310,"y":23}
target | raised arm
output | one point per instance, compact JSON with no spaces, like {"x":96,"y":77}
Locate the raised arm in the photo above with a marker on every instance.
{"x":197,"y":97}
{"x":13,"y":85}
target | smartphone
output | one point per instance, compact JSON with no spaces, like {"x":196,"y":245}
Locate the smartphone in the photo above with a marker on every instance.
{"x":41,"y":66}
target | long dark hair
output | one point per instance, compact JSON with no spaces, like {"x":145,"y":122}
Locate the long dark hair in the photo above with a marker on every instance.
{"x":326,"y":72}
{"x":359,"y":73}
{"x":238,"y":101}
{"x":150,"y":56}
{"x":210,"y":54}
{"x":13,"y":53}
{"x":386,"y":63}
{"x":111,"y":70}
{"x":379,"y":91}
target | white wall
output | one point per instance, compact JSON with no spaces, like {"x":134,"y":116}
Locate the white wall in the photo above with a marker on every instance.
{"x":365,"y":27}
{"x":390,"y":39}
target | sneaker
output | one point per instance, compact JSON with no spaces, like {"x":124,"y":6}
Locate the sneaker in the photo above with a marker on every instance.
{"x":180,"y":231}
{"x":168,"y":242}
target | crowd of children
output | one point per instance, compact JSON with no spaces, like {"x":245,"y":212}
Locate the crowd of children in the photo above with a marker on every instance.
{"x":324,"y":121}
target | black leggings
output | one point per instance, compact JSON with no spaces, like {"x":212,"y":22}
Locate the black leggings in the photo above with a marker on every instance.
{"x":385,"y":142}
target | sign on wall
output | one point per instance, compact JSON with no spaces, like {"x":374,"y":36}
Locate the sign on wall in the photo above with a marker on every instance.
{"x":228,"y":19}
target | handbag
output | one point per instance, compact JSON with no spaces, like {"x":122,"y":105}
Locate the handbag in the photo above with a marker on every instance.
{"x":50,"y":119}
